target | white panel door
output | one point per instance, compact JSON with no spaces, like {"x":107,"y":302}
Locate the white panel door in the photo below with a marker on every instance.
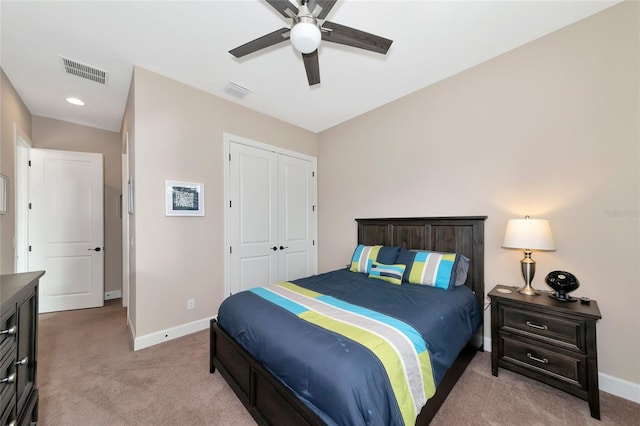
{"x":66,"y":228}
{"x":296,"y":213}
{"x":272,"y":220}
{"x":253,"y":217}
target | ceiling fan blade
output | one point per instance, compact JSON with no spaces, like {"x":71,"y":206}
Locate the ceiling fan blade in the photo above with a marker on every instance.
{"x":284,"y":7}
{"x":312,"y":67}
{"x":260,"y":43}
{"x":356,"y":38}
{"x":320,"y":8}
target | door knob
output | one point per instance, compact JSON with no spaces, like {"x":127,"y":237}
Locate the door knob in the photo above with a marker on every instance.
{"x":282,"y":248}
{"x":95,"y":249}
{"x":274,"y":248}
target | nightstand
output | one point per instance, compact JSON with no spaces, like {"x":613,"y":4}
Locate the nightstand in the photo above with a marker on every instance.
{"x":548,"y":340}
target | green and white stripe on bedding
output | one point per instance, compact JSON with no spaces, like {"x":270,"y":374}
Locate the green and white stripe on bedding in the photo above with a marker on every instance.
{"x":400,"y":348}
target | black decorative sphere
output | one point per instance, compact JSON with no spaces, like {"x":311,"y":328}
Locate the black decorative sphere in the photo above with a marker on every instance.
{"x":562,"y":283}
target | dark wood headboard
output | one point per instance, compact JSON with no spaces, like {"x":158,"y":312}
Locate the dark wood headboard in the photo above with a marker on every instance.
{"x":459,"y":234}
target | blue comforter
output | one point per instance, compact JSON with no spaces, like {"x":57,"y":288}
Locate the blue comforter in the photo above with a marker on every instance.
{"x":339,"y":379}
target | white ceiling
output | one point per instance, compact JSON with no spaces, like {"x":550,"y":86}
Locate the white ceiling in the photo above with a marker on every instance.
{"x":189,"y":42}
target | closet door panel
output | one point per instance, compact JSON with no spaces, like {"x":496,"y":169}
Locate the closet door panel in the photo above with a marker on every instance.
{"x":253,"y":217}
{"x":296,"y":217}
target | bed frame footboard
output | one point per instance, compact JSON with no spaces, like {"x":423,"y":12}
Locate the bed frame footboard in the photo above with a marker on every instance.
{"x":268,"y":400}
{"x":272,"y":403}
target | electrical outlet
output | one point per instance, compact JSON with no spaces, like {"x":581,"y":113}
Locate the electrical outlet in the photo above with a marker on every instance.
{"x":191,"y":304}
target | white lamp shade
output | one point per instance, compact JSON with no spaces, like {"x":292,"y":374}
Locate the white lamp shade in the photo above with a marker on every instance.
{"x":532,"y":234}
{"x":305,"y":37}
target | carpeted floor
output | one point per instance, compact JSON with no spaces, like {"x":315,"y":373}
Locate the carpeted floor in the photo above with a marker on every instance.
{"x":89,"y":375}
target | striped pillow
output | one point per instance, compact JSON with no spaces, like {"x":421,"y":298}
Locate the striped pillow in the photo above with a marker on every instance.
{"x":389,"y":273}
{"x":434,"y":269}
{"x":364,"y":256}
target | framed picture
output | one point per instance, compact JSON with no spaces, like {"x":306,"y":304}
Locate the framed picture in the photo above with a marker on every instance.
{"x":4,"y":209}
{"x":184,"y":198}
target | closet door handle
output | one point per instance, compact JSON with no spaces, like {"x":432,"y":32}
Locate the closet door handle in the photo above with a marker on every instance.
{"x":282,"y":247}
{"x":274,"y":248}
{"x":95,"y":249}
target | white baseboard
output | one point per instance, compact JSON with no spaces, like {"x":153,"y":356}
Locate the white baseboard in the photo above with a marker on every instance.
{"x":170,"y":334}
{"x":487,"y":344}
{"x":114,"y":294}
{"x":619,"y":387}
{"x":613,"y":385}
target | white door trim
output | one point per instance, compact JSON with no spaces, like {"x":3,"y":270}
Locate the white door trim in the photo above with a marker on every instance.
{"x":124,"y":214}
{"x":227,"y":139}
{"x":21,"y":191}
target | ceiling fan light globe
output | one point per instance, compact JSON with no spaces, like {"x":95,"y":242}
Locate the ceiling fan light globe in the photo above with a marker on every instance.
{"x":305,"y":37}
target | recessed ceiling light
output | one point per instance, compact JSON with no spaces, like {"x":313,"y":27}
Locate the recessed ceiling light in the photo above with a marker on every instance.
{"x":75,"y":101}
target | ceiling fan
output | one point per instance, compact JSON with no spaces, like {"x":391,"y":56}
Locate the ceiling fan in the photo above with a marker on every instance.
{"x":306,"y":33}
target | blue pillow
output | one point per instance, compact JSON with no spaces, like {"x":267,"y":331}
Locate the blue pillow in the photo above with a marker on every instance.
{"x":364,"y":256}
{"x":442,"y":270}
{"x":389,"y":273}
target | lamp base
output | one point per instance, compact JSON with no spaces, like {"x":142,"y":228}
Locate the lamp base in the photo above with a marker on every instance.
{"x":528,"y":290}
{"x":528,"y":267}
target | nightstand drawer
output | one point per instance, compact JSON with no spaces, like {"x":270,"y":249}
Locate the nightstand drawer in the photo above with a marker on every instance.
{"x":567,"y":369}
{"x":556,"y":330}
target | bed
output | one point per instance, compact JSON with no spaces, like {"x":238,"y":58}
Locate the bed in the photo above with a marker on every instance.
{"x":266,"y":389}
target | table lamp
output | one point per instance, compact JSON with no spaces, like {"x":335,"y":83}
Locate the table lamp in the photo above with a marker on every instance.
{"x":528,"y":234}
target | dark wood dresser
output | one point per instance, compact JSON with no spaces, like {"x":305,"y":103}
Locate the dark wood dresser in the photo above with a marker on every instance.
{"x":548,"y":340}
{"x":18,"y":348}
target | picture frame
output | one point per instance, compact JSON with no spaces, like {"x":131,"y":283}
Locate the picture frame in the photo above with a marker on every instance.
{"x":184,"y":198}
{"x":4,"y":180}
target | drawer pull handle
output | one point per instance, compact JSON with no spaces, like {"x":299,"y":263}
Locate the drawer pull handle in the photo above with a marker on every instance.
{"x":9,"y":331}
{"x":23,"y":361}
{"x":10,"y":379}
{"x":539,"y":327}
{"x":540,"y":360}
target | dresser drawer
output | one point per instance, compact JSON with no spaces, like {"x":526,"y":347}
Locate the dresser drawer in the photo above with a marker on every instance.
{"x":7,"y":389}
{"x":564,"y":332}
{"x":8,"y":332}
{"x":570,"y":370}
{"x":9,"y":414}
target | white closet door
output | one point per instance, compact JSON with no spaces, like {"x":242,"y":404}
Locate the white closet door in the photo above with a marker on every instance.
{"x":272,"y":216}
{"x":296,"y":218}
{"x":253,"y":217}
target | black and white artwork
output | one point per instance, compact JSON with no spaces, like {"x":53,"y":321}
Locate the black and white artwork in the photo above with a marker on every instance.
{"x":184,"y":198}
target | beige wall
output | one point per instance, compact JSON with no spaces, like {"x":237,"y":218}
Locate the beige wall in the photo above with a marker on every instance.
{"x":550,"y":130}
{"x":49,"y":133}
{"x":12,"y":110}
{"x":179,"y":136}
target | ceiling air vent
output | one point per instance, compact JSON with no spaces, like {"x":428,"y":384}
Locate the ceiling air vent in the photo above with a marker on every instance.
{"x":84,"y":71}
{"x":236,"y":90}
